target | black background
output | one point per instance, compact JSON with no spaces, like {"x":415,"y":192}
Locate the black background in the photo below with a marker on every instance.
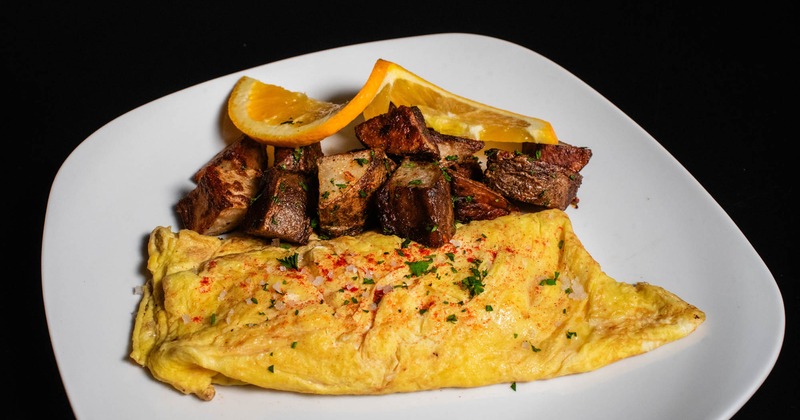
{"x":713,"y":85}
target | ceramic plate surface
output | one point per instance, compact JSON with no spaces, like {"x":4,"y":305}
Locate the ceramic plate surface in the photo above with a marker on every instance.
{"x":642,"y":216}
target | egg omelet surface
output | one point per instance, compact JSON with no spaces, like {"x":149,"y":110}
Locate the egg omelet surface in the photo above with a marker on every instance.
{"x":513,"y":299}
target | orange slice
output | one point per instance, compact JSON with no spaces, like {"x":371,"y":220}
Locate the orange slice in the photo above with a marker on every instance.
{"x":276,"y":116}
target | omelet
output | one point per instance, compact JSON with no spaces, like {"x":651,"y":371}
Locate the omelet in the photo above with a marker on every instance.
{"x":513,"y":299}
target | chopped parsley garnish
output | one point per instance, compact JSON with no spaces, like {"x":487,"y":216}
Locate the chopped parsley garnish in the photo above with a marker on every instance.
{"x":289,"y":262}
{"x":294,"y":344}
{"x":571,"y":334}
{"x":551,"y":281}
{"x":452,"y":318}
{"x":415,"y":182}
{"x":489,"y":308}
{"x":474,"y":283}
{"x":213,"y":319}
{"x":361,"y":161}
{"x":514,"y":386}
{"x":420,"y":267}
{"x":368,"y":280}
{"x":271,"y":368}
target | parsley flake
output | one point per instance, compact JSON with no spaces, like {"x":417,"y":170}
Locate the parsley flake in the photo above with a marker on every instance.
{"x":420,"y":267}
{"x":474,"y":283}
{"x":550,"y":281}
{"x":289,"y":262}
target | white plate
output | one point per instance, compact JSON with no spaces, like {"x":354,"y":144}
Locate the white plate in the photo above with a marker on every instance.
{"x":641,"y":215}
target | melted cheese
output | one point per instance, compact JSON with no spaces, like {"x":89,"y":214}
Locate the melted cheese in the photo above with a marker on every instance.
{"x":512,"y":299}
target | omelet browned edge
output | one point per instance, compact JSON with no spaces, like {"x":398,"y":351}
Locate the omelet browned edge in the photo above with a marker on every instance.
{"x":513,"y":299}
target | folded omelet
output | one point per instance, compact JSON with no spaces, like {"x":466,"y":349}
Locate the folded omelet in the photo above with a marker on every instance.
{"x":513,"y":299}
